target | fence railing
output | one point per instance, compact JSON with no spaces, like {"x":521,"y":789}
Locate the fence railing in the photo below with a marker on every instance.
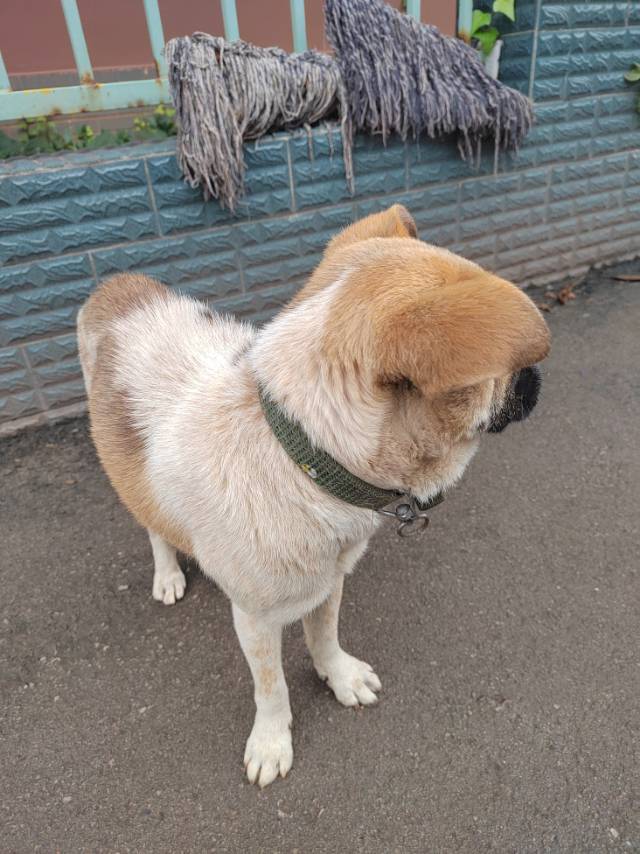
{"x":90,"y":96}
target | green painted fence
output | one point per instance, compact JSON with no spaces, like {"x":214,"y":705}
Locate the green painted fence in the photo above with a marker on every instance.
{"x":90,"y":96}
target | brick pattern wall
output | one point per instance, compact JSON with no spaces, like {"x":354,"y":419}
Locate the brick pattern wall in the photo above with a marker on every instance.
{"x":570,"y":199}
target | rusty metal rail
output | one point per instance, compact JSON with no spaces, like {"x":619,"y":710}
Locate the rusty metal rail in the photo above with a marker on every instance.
{"x":88,"y":95}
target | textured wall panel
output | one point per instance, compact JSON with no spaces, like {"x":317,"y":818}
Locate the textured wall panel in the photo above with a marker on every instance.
{"x":318,"y":169}
{"x":570,"y":198}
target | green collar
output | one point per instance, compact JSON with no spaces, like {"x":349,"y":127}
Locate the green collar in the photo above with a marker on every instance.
{"x":334,"y":478}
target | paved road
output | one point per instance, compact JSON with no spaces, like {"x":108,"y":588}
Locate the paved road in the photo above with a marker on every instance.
{"x":507,"y":642}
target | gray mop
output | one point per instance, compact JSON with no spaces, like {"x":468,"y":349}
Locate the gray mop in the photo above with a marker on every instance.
{"x":227,"y":92}
{"x":391,"y":74}
{"x":405,"y":77}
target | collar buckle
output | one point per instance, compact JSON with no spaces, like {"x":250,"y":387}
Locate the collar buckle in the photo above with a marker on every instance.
{"x":412,"y":517}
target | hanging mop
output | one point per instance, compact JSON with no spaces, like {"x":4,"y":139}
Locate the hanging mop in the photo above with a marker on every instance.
{"x":390,"y":74}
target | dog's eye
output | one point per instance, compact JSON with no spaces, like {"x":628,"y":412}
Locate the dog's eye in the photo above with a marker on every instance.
{"x":405,"y":384}
{"x":401,"y":384}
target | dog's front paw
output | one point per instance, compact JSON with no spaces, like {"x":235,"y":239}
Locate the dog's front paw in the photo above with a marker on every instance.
{"x":169,"y":585}
{"x":269,"y":751}
{"x":352,"y":681}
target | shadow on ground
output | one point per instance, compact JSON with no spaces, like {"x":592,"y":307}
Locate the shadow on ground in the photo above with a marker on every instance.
{"x":506,"y":640}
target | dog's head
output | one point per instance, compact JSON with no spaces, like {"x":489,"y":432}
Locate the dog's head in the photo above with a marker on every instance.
{"x":447,"y":350}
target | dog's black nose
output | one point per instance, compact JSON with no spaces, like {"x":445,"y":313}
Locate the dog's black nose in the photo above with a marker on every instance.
{"x":520,"y":400}
{"x":525,"y":392}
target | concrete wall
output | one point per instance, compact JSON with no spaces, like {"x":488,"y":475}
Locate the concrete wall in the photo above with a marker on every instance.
{"x":569,"y":200}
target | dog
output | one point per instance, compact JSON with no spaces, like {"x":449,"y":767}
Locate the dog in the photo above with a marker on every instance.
{"x":392,"y":361}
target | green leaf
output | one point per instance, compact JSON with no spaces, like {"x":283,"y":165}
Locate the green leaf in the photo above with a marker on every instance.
{"x":506,"y":7}
{"x":487,"y":38}
{"x":480,"y":19}
{"x":8,"y":147}
{"x":633,"y":75}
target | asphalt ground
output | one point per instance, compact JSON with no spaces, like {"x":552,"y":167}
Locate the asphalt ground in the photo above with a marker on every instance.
{"x":507,"y":641}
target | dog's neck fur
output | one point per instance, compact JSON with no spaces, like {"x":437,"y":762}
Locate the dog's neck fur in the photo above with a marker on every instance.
{"x":341,"y":412}
{"x":333,"y":407}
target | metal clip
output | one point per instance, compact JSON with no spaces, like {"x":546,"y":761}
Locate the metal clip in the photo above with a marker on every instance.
{"x":412,"y":519}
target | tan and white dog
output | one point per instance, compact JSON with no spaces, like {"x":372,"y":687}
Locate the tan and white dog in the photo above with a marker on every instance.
{"x":394,"y":359}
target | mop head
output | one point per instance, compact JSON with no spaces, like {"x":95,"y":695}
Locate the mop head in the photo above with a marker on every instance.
{"x":390,"y":75}
{"x":407,"y":78}
{"x":228,"y":92}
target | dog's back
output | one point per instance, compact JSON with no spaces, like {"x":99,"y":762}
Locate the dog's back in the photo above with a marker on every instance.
{"x":143,"y":350}
{"x":113,"y":300}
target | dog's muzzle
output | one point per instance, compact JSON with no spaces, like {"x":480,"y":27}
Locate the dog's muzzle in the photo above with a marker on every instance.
{"x":520,"y":400}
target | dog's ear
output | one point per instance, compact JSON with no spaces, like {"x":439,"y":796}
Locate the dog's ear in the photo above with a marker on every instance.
{"x":460,"y":333}
{"x":396,"y":221}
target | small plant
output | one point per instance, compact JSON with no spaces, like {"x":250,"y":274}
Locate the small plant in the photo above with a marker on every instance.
{"x":41,"y":135}
{"x":633,"y":76}
{"x":86,"y":137}
{"x":157,"y":126}
{"x":164,"y":118}
{"x":9,"y":147}
{"x":483,"y":28}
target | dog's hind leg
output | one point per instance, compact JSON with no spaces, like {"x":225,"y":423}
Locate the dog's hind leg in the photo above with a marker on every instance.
{"x":351,"y":680}
{"x":169,"y":582}
{"x":269,"y":751}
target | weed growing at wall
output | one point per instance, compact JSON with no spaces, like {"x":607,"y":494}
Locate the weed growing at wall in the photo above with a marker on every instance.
{"x":42,"y":136}
{"x":633,"y":76}
{"x":483,"y":29}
